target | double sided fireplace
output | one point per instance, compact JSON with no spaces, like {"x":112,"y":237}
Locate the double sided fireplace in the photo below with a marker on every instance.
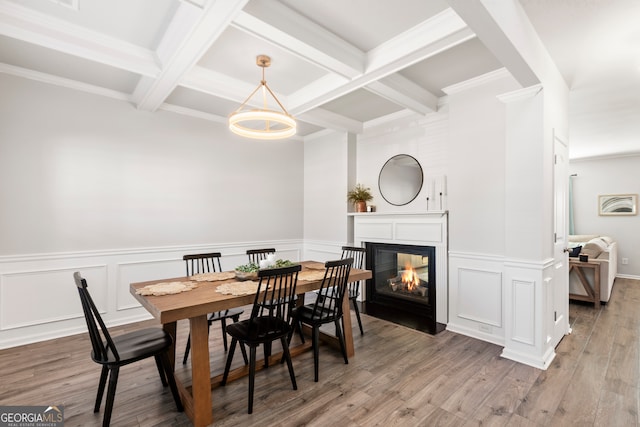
{"x":403,"y":286}
{"x":409,"y":245}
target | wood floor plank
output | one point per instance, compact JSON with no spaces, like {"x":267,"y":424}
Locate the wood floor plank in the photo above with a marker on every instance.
{"x":398,"y":377}
{"x":616,"y":409}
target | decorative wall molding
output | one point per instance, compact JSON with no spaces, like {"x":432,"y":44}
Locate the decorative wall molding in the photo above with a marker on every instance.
{"x":524,"y":299}
{"x":529,"y":312}
{"x":517,"y":95}
{"x":477,"y":81}
{"x":39,"y":300}
{"x":482,"y":286}
{"x":475,"y":285}
{"x":476,"y":296}
{"x":40,"y":296}
{"x":63,"y":82}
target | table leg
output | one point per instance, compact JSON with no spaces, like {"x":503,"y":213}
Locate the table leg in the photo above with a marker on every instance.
{"x":170,"y":328}
{"x":348,"y":329}
{"x":200,"y":372}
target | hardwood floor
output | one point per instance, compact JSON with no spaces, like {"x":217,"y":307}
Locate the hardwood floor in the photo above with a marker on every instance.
{"x":398,"y":377}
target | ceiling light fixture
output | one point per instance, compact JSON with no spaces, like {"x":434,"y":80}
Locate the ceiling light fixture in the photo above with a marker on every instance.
{"x":262,"y":123}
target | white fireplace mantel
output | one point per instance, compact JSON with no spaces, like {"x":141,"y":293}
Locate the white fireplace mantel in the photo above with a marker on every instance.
{"x":422,"y":229}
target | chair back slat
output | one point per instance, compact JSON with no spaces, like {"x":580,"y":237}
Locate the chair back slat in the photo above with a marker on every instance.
{"x":276,"y":291}
{"x":257,"y":255}
{"x":358,"y":254}
{"x":334,"y":285}
{"x":355,"y":252}
{"x":101,"y":341}
{"x":202,"y":263}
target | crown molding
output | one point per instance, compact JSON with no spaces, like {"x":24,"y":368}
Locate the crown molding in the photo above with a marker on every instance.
{"x":517,"y":95}
{"x":63,"y":82}
{"x":483,"y":79}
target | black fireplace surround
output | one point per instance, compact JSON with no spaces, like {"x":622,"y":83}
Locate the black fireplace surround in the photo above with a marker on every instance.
{"x":411,"y":304}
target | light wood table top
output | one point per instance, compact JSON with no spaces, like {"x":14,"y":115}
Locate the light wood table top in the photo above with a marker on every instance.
{"x":195,"y":305}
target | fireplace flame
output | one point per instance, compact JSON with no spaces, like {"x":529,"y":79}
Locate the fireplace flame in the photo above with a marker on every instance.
{"x":410,"y":277}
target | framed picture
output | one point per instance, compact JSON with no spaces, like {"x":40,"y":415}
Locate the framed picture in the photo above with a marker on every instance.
{"x":618,"y":204}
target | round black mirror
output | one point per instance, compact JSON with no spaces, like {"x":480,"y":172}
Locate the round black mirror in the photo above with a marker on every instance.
{"x":400,"y":179}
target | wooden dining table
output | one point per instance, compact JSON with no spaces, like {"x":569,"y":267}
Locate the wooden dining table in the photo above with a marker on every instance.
{"x":196,"y":304}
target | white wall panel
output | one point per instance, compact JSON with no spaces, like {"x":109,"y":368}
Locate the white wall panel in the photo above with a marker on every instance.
{"x":476,"y":296}
{"x":480,"y":296}
{"x":142,"y":271}
{"x":39,"y":300}
{"x":36,"y":297}
{"x":419,"y":232}
{"x":523,"y":322}
{"x":376,"y":231}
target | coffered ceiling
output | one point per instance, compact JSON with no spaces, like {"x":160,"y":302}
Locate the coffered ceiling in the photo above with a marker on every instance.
{"x":336,"y":64}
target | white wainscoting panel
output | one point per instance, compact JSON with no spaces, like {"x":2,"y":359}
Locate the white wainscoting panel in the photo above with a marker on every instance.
{"x":36,"y":297}
{"x":524,"y":293}
{"x":39,"y":300}
{"x":476,"y":296}
{"x":375,"y":230}
{"x":529,"y":312}
{"x":142,"y":271}
{"x":480,"y":296}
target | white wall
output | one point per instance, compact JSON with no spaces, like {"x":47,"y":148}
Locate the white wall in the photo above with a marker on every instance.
{"x":83,"y":172}
{"x":91,"y":184}
{"x":608,"y":176}
{"x":326,"y":177}
{"x":477,"y":168}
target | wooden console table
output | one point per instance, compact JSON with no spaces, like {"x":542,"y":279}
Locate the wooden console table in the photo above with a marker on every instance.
{"x":593,"y":295}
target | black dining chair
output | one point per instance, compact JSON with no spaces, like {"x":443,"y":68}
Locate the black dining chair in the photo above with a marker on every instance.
{"x":325,"y":310}
{"x":209,"y":263}
{"x":353,"y":288}
{"x":257,"y":255}
{"x":270,"y":321}
{"x":117,"y":351}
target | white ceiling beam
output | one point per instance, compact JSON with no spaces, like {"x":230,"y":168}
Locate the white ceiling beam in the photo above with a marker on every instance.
{"x":433,"y":36}
{"x":283,"y":27}
{"x":503,"y":37}
{"x":402,"y":91}
{"x":222,"y":86}
{"x":191,"y":32}
{"x":217,"y":84}
{"x":33,"y":27}
{"x":325,"y":118}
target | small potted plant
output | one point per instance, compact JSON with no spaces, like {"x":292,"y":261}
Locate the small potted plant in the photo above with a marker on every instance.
{"x":359,"y":196}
